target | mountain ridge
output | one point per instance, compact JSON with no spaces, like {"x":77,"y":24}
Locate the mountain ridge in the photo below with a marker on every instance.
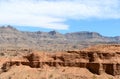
{"x":53,"y":40}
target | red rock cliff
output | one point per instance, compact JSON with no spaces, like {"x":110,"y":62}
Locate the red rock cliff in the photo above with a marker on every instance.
{"x":98,"y":59}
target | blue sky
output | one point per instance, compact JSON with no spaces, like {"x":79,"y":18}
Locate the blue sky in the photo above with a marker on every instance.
{"x":101,"y":16}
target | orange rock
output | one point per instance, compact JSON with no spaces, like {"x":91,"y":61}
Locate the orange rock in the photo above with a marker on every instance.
{"x":94,"y":59}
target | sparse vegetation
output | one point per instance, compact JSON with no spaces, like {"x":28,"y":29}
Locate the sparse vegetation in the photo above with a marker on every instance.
{"x":110,"y":78}
{"x":51,"y":76}
{"x":94,"y":77}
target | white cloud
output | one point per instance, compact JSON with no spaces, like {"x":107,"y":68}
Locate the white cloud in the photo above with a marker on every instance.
{"x":53,"y":13}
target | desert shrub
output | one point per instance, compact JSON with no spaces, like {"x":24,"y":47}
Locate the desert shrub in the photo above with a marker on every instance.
{"x":94,"y":77}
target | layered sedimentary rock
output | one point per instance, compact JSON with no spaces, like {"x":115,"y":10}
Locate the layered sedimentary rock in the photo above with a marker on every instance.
{"x":95,"y":60}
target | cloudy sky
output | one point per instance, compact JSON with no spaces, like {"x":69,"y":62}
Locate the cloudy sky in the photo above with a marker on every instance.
{"x":101,"y":16}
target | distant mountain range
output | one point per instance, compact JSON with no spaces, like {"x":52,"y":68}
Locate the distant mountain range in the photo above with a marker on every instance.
{"x":51,"y":41}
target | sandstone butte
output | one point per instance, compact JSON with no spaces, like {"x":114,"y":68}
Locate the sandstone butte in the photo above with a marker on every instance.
{"x":97,"y":59}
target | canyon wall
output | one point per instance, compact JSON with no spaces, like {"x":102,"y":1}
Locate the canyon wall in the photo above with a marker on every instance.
{"x":95,"y":61}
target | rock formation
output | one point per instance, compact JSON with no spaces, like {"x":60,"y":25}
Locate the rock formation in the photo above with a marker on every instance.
{"x":99,"y":59}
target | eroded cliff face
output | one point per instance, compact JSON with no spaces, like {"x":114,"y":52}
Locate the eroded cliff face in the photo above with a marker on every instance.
{"x":96,"y":61}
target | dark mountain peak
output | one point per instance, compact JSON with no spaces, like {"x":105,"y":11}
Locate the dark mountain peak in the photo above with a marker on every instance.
{"x":54,"y":32}
{"x":8,"y":27}
{"x":117,"y":38}
{"x":85,"y":33}
{"x":39,"y":32}
{"x":95,"y":34}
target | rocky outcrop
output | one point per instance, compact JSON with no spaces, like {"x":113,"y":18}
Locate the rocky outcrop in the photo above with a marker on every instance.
{"x":97,"y":62}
